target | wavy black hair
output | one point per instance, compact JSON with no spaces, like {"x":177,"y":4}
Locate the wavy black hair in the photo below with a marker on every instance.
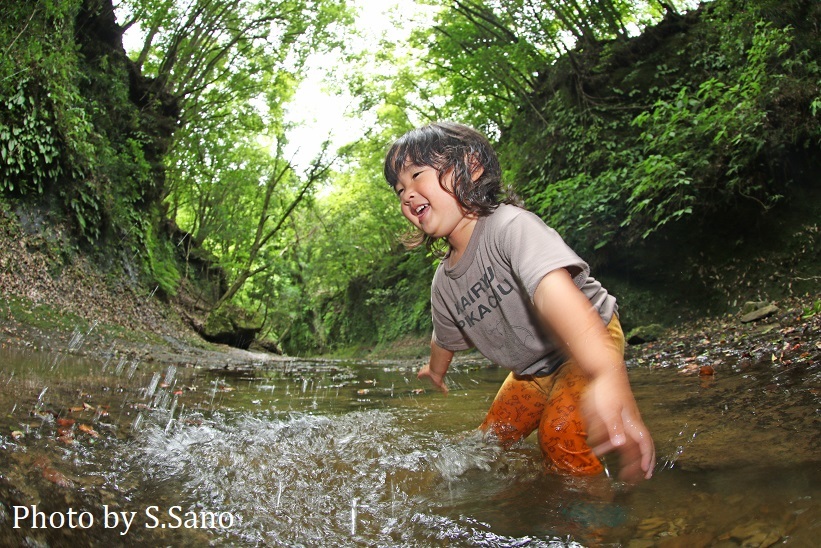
{"x":446,"y":146}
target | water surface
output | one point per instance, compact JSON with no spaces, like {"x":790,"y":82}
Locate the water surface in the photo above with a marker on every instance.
{"x":309,"y":453}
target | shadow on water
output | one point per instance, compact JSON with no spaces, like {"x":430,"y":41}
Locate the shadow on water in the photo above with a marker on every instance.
{"x":337,"y":454}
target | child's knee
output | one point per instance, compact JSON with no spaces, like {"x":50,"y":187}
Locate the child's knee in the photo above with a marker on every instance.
{"x":570,"y":456}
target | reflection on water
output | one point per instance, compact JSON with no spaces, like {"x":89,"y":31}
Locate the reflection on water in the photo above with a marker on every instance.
{"x":340,"y":454}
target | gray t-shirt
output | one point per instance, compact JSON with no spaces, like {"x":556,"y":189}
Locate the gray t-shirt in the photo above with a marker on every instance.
{"x":486,"y":300}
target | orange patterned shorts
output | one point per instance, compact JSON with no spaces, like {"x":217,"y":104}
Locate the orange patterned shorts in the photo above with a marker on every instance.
{"x":553,"y":405}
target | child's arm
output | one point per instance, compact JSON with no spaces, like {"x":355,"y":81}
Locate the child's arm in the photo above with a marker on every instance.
{"x":613,"y":417}
{"x":437,"y":367}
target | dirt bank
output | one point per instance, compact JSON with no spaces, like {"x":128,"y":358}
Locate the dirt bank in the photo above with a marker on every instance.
{"x":56,"y":300}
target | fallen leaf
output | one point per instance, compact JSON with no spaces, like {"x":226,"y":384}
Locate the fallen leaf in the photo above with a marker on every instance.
{"x":88,"y":430}
{"x":56,"y":477}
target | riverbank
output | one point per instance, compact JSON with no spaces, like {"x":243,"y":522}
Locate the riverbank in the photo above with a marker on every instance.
{"x":63,"y":303}
{"x":60,"y":304}
{"x":28,"y":325}
{"x":789,"y":333}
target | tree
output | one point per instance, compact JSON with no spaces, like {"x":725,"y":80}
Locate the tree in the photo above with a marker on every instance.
{"x":269,"y":223}
{"x":209,"y":53}
{"x":491,"y":58}
{"x":232,"y":66}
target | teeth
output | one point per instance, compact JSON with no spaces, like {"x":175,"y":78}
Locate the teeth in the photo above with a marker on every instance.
{"x":420,"y":208}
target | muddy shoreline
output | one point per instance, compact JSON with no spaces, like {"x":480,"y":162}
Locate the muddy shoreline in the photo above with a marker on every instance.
{"x":164,"y":349}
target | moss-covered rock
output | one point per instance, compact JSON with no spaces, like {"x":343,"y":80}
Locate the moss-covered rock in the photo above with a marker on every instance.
{"x":231,"y":325}
{"x":645,"y":333}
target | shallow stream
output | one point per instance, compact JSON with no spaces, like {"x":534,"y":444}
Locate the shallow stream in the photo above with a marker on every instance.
{"x":108,"y":450}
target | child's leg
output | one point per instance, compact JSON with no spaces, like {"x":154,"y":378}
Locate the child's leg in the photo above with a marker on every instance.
{"x":562,"y":430}
{"x":516,"y":410}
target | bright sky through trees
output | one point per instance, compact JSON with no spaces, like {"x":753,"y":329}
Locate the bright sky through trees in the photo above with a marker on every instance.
{"x":321,"y":109}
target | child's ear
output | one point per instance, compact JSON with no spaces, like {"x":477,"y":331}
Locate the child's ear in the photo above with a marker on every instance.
{"x":476,"y":173}
{"x":476,"y":168}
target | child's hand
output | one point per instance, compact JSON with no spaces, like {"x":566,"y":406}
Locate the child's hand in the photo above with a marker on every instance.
{"x":614,"y":423}
{"x":438,"y":380}
{"x":437,"y":367}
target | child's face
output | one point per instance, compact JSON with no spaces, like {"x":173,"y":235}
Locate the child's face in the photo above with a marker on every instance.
{"x":425,"y":203}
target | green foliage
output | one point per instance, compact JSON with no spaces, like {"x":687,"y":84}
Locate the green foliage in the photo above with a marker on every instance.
{"x":344,"y":263}
{"x":695,"y":132}
{"x":68,"y":129}
{"x":610,"y":138}
{"x":810,"y":311}
{"x":161,"y":256}
{"x":40,"y":126}
{"x":722,"y":115}
{"x":28,"y":148}
{"x":485,"y":60}
{"x":389,"y":302}
{"x":209,"y":55}
{"x":725,"y":123}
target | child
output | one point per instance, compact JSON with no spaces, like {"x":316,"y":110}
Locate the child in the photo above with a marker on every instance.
{"x":509,"y":286}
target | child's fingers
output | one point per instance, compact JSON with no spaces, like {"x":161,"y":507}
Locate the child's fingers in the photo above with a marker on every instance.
{"x":617,"y":437}
{"x":438,"y":382}
{"x":648,"y":457}
{"x":645,"y":452}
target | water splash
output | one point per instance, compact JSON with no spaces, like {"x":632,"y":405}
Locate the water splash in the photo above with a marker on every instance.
{"x":472,"y":452}
{"x":684,"y":439}
{"x":353,"y":516}
{"x":152,"y":386}
{"x":300,"y":479}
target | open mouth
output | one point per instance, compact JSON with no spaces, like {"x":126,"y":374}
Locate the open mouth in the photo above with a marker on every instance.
{"x":421,"y":209}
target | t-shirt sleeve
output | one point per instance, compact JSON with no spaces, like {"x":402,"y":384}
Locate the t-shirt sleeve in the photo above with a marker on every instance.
{"x":534,"y":250}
